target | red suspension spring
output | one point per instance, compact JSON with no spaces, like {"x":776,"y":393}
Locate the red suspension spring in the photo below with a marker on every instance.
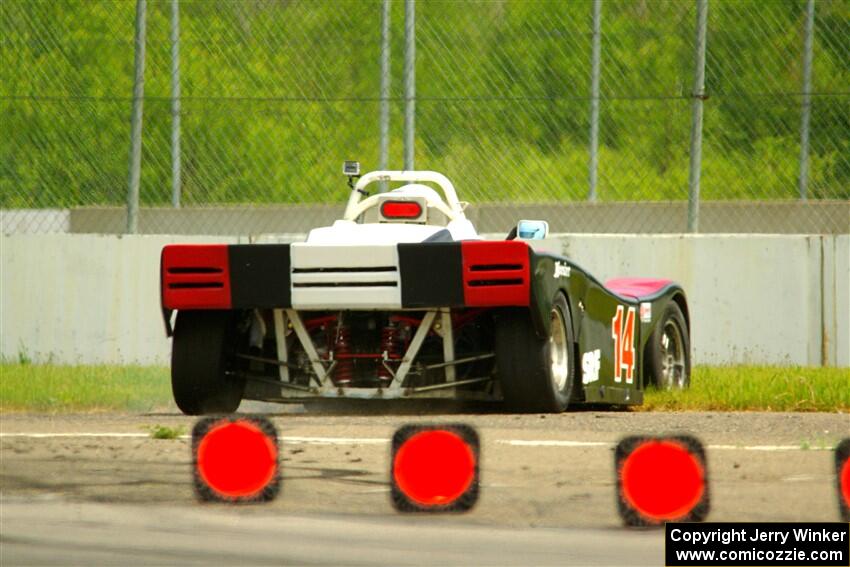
{"x":344,"y":369}
{"x":390,"y":344}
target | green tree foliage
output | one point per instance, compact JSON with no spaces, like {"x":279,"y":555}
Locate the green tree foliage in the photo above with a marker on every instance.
{"x":277,"y":93}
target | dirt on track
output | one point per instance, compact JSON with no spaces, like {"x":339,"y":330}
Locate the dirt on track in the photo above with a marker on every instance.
{"x":537,"y":470}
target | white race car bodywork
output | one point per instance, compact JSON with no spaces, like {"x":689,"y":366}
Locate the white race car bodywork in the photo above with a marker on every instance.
{"x":319,"y":281}
{"x":353,"y":265}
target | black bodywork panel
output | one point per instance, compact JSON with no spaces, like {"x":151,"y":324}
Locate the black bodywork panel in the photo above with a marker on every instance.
{"x":593,"y":308}
{"x":431,"y":274}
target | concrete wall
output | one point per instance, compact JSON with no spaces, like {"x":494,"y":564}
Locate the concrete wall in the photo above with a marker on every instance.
{"x":754,"y":299}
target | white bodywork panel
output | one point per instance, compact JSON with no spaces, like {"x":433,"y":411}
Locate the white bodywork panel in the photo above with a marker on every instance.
{"x":326,"y":269}
{"x":348,"y":233}
{"x":304,"y":255}
{"x":336,"y":268}
{"x":344,"y":232}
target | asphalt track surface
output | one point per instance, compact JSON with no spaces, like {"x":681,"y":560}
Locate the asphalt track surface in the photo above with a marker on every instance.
{"x":98,"y":490}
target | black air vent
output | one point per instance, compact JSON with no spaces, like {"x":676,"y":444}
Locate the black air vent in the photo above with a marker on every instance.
{"x":484,"y":283}
{"x":494,"y":267}
{"x":194,"y":270}
{"x":344,"y":270}
{"x":195,"y":285}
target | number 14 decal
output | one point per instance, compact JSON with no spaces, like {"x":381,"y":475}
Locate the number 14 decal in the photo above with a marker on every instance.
{"x":623,"y":333}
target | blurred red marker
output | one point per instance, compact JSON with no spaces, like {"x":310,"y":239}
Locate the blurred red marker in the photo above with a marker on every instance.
{"x":842,"y":471}
{"x":235,"y":459}
{"x":435,"y":468}
{"x":661,"y":479}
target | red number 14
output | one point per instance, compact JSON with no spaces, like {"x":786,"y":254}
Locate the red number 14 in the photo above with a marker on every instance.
{"x":623,"y":333}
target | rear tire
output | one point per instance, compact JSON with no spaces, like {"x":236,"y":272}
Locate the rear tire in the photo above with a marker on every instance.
{"x":668,"y":352}
{"x":201,"y":355}
{"x":536,"y":375}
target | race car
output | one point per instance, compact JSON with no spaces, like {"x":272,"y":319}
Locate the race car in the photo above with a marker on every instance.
{"x":401,"y":298}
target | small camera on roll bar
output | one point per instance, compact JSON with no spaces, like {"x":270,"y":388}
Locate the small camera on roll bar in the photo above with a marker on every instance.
{"x":351,"y":168}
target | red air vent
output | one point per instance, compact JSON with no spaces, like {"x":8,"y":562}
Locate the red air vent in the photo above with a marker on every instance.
{"x":407,"y":210}
{"x":195,"y":276}
{"x":495,"y":273}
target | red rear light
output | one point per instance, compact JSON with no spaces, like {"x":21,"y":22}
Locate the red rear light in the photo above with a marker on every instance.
{"x":401,"y":210}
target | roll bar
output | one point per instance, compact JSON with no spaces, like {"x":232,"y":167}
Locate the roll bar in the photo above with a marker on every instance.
{"x":438,"y":179}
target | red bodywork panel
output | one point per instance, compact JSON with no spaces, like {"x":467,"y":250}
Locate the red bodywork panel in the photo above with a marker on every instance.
{"x":195,"y":276}
{"x":496,"y":273}
{"x":636,"y":288}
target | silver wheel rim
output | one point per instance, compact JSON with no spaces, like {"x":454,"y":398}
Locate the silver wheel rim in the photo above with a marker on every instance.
{"x":559,"y":361}
{"x":672,"y":357}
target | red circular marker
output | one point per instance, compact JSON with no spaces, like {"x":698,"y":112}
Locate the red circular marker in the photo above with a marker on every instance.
{"x":844,"y":482}
{"x":662,"y":480}
{"x":236,"y":459}
{"x":434,"y":468}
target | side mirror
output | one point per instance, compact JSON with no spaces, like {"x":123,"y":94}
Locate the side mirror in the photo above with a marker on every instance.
{"x":532,"y":229}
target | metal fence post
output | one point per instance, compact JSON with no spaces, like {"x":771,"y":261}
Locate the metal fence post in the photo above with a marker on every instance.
{"x":383,"y":159}
{"x":594,"y":100}
{"x":696,"y":118}
{"x":803,"y":181}
{"x":175,"y":103}
{"x":409,"y":82}
{"x":136,"y":120}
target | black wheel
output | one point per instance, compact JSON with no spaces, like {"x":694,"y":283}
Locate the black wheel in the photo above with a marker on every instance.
{"x":536,"y":375}
{"x":201,"y":355}
{"x":668,"y":352}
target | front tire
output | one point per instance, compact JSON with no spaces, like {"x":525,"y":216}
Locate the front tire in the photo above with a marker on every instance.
{"x":668,"y":351}
{"x":536,"y":375}
{"x":201,"y":355}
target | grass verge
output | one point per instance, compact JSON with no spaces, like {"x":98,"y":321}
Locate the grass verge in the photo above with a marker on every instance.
{"x":757,"y":388}
{"x":52,"y":388}
{"x":164,"y":432}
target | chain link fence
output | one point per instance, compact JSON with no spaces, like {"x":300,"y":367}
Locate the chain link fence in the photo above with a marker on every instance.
{"x":580,"y":112}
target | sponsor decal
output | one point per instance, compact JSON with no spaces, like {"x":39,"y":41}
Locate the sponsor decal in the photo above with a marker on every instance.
{"x":590,"y":362}
{"x":645,"y":312}
{"x":562,"y":270}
